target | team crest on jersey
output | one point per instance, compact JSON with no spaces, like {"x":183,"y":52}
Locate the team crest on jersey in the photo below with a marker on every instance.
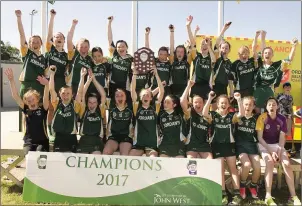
{"x":164,"y":120}
{"x":228,"y":120}
{"x":114,"y":60}
{"x":142,"y":112}
{"x":278,"y":127}
{"x":240,"y":68}
{"x":253,"y":124}
{"x":114,"y":114}
{"x":247,"y":123}
{"x":240,"y":122}
{"x":216,"y":120}
{"x":267,"y":126}
{"x":222,"y":121}
{"x":66,"y":109}
{"x":201,"y":120}
{"x":95,"y":69}
{"x":38,"y":113}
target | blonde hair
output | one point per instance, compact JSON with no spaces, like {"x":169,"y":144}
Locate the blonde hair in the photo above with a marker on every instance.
{"x":31,"y":92}
{"x":141,"y":93}
{"x":250,"y":98}
{"x":223,"y":96}
{"x":83,"y":40}
{"x":244,"y":48}
{"x":34,"y":36}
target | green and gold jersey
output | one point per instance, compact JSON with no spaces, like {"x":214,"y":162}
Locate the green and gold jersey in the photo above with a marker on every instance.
{"x":163,"y":70}
{"x":77,"y":62}
{"x":202,"y":68}
{"x":244,"y":73}
{"x":65,"y":117}
{"x":198,"y":127}
{"x":33,"y":65}
{"x":120,"y":122}
{"x":222,"y":71}
{"x":268,"y":75}
{"x":146,"y":132}
{"x":172,"y":128}
{"x":120,"y":70}
{"x":223,"y":127}
{"x":142,"y":81}
{"x":92,"y":123}
{"x":246,"y":130}
{"x":58,"y":59}
{"x":100,"y":72}
{"x":179,"y":72}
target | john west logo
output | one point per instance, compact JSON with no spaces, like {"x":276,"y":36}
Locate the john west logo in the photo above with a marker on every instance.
{"x":42,"y":161}
{"x":167,"y":199}
{"x":192,"y":167}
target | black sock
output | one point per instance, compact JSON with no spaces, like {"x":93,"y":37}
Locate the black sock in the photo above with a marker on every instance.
{"x":236,"y":192}
{"x":243,"y":183}
{"x":253,"y":185}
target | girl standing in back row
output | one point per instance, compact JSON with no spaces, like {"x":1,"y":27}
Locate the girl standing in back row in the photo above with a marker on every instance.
{"x":268,"y":74}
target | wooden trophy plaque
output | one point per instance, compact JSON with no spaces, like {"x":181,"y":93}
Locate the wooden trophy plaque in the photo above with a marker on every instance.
{"x":143,"y":60}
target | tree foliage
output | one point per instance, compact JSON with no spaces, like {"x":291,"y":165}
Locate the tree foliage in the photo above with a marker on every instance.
{"x":9,"y":53}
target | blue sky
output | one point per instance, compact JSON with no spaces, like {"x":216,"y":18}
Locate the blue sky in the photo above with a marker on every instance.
{"x":281,"y":19}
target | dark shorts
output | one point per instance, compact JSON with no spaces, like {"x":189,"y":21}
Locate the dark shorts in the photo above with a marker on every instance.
{"x":178,"y":89}
{"x":172,"y":150}
{"x":249,"y":148}
{"x":220,"y":89}
{"x":89,"y":144}
{"x":121,"y":138}
{"x":59,"y":83}
{"x":145,"y":149}
{"x":40,"y":147}
{"x":223,"y":149}
{"x":261,"y":95}
{"x":200,"y":89}
{"x":198,"y":147}
{"x":65,"y":142}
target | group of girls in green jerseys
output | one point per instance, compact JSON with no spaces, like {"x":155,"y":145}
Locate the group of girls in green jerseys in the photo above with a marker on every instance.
{"x":180,"y":108}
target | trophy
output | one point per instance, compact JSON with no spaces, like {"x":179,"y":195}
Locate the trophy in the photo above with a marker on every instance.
{"x":144,"y":60}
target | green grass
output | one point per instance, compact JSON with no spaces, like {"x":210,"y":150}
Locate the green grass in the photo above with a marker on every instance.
{"x":11,"y":194}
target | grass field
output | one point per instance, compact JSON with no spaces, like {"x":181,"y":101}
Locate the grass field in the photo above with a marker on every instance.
{"x":11,"y":194}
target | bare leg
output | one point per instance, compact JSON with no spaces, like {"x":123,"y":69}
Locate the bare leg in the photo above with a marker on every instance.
{"x":205,"y":155}
{"x":231,"y":161}
{"x":125,"y":148}
{"x":136,"y":152}
{"x":192,"y":154}
{"x":110,"y":147}
{"x":289,"y":175}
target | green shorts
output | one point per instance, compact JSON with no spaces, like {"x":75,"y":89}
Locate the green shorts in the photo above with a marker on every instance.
{"x":59,"y":83}
{"x":198,"y":147}
{"x":25,"y":86}
{"x":201,"y":89}
{"x":223,"y":149}
{"x":178,"y":89}
{"x":220,"y":89}
{"x":65,"y":142}
{"x":172,"y":150}
{"x":121,"y":138}
{"x":249,"y":148}
{"x":261,"y":94}
{"x":89,"y":144}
